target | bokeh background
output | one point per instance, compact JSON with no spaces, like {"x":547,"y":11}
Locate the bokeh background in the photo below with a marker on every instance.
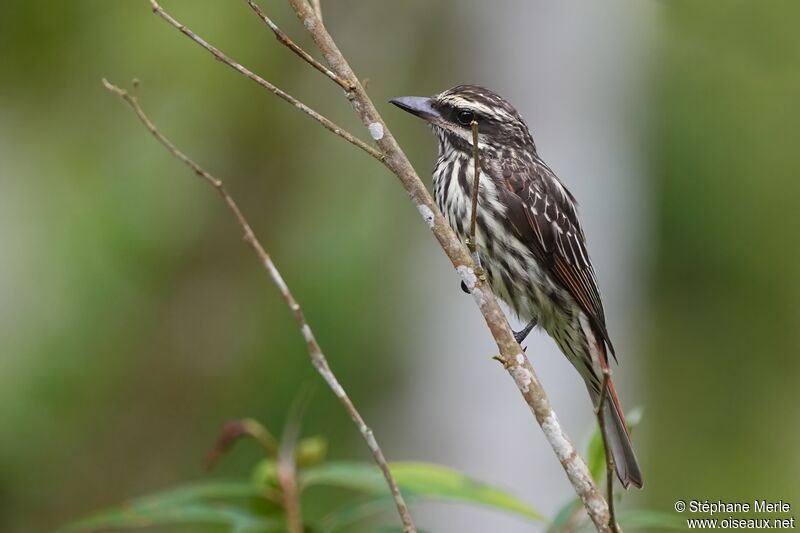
{"x":133,"y":321}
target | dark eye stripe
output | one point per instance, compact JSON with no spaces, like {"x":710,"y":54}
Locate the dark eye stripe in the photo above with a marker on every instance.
{"x":489,"y":125}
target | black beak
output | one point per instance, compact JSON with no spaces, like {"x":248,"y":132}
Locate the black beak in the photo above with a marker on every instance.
{"x":420,"y":106}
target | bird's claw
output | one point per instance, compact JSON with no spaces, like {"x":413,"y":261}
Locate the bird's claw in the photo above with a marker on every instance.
{"x":465,"y":288}
{"x":520,"y":335}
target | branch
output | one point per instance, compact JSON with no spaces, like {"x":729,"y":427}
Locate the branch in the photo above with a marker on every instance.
{"x":286,"y":467}
{"x":290,"y":494}
{"x":294,"y":47}
{"x":318,"y":358}
{"x":326,"y":123}
{"x":514,"y":359}
{"x":601,"y":420}
{"x":476,"y":161}
{"x":392,"y":156}
{"x":472,"y":243}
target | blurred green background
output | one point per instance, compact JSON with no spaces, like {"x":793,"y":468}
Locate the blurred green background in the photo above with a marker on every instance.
{"x":134,"y":322}
{"x":725,"y":333}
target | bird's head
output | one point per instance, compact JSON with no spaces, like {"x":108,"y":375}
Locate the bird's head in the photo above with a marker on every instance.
{"x":452,"y":112}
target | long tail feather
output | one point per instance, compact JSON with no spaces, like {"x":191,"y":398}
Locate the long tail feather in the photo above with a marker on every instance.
{"x":619,"y":441}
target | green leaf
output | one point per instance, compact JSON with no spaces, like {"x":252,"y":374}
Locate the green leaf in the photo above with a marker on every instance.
{"x":354,"y":512}
{"x":362,"y":477}
{"x":629,"y":520}
{"x":194,"y":492}
{"x":637,"y":520}
{"x":417,"y":481}
{"x":238,"y":520}
{"x":564,"y":514}
{"x":200,"y":503}
{"x":265,"y":473}
{"x":311,"y":451}
{"x":596,"y":455}
{"x":397,"y":529}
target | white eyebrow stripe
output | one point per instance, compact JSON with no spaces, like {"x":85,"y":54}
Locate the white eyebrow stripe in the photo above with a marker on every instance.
{"x":478,"y":107}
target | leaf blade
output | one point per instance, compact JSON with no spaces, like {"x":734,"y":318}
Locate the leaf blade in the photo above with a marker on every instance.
{"x":418,"y":481}
{"x":197,"y":503}
{"x":644,"y":519}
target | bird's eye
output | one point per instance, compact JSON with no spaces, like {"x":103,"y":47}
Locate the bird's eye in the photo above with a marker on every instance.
{"x":465,"y":118}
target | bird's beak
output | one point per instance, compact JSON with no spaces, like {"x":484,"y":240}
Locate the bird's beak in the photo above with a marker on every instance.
{"x":420,"y":106}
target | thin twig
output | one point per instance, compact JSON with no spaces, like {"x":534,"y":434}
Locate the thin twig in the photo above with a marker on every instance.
{"x":318,"y":358}
{"x":601,"y":420}
{"x":472,"y":243}
{"x":294,"y":47}
{"x":326,"y":123}
{"x":286,"y":466}
{"x":286,"y":474}
{"x":514,"y":359}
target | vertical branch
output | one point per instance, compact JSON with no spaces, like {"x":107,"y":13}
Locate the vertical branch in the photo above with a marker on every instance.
{"x":601,"y":419}
{"x":290,"y":494}
{"x":318,"y":358}
{"x":472,"y":244}
{"x":286,"y":466}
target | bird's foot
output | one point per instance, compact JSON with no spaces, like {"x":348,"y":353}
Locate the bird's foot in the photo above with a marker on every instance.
{"x":480,"y":273}
{"x":465,"y":288}
{"x":520,"y":336}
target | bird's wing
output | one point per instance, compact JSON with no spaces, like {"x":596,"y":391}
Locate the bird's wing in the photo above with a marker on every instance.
{"x":544,"y":215}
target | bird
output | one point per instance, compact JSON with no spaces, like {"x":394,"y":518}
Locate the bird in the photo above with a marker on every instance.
{"x":529,"y":239}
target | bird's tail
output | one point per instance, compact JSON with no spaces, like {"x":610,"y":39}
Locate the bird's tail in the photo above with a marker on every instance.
{"x":619,"y":439}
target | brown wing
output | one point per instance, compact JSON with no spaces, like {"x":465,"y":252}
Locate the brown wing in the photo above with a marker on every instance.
{"x":544,"y":214}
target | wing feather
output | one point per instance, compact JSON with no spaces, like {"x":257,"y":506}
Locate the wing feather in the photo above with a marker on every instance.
{"x":555,"y":234}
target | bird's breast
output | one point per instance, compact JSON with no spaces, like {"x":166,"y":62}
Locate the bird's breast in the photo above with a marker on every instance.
{"x":452,"y":189}
{"x":511,"y":268}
